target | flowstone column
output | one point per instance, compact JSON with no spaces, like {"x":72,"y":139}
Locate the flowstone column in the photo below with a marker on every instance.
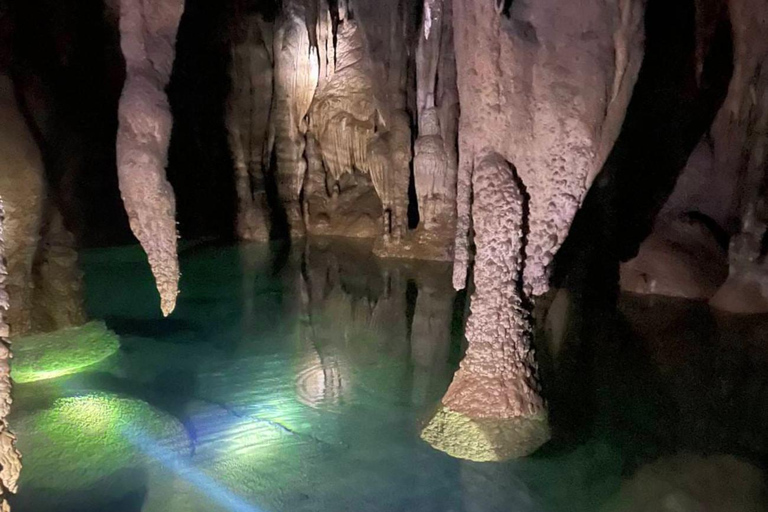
{"x":492,"y":410}
{"x":23,"y":188}
{"x":247,"y":116}
{"x":148,"y":39}
{"x":10,"y":458}
{"x":435,"y":159}
{"x":296,"y":75}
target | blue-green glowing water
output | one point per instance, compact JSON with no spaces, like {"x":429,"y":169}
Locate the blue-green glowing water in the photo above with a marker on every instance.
{"x":298,"y":381}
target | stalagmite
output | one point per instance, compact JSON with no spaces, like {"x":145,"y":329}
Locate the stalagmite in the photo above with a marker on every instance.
{"x":58,"y":281}
{"x":295,"y":75}
{"x":147,"y":39}
{"x":431,"y":174}
{"x":546,"y":85}
{"x":492,"y":410}
{"x":10,"y":458}
{"x":248,"y":108}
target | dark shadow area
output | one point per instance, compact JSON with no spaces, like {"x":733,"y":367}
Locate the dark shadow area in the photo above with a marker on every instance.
{"x":68,"y":72}
{"x":668,"y":114}
{"x":199,"y":164}
{"x":278,"y":218}
{"x":163,"y":330}
{"x":107,"y":494}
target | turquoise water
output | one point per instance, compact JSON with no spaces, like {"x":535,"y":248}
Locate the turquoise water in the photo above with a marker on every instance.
{"x":298,"y":380}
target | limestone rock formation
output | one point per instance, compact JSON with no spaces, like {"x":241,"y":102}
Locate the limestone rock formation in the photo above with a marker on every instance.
{"x":740,"y":135}
{"x":248,"y":109}
{"x":10,"y":458}
{"x":343,"y":120}
{"x":492,"y":410}
{"x":435,"y":156}
{"x":147,"y":39}
{"x":58,"y":300}
{"x":295,"y":79}
{"x":359,"y":131}
{"x":533,"y":133}
{"x":545,"y":84}
{"x":682,"y":257}
{"x":724,"y":179}
{"x":22,"y":186}
{"x":746,"y":289}
{"x":44,"y":282}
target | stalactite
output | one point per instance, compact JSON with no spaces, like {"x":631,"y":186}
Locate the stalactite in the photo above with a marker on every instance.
{"x":492,"y":410}
{"x":147,"y":39}
{"x":430,"y":329}
{"x":248,"y":109}
{"x":10,"y":458}
{"x":296,"y":77}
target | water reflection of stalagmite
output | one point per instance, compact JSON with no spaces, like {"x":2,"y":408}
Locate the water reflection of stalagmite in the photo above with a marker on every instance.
{"x":147,"y":39}
{"x":431,"y":332}
{"x":10,"y":459}
{"x":323,"y":380}
{"x":295,"y":76}
{"x":248,"y":108}
{"x":492,"y":410}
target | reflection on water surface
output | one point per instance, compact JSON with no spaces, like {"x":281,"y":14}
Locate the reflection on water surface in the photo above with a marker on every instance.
{"x":292,"y":381}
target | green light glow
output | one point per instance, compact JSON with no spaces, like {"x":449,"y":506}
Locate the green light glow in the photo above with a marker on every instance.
{"x":80,"y":440}
{"x":63,"y":352}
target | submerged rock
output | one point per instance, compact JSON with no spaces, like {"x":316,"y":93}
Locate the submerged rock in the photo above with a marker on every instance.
{"x":62,"y":352}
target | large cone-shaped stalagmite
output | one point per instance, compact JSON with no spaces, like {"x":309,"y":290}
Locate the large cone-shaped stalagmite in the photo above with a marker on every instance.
{"x":543,"y":86}
{"x":10,"y":459}
{"x":147,"y":38}
{"x":492,"y":410}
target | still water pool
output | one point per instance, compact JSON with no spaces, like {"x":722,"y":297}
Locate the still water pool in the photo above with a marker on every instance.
{"x":297,"y":381}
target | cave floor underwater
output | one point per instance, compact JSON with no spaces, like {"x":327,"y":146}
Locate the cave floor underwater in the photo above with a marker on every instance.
{"x":298,"y":380}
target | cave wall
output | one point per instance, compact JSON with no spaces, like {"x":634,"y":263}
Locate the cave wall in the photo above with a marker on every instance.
{"x":706,"y":241}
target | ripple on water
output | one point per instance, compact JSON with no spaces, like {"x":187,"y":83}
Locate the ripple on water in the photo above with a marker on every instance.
{"x":322,"y":384}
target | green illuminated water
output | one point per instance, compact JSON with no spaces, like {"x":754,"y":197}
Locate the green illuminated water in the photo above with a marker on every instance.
{"x":297,"y":381}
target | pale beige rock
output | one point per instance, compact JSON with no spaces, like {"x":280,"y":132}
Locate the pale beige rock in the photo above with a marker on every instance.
{"x":492,"y":409}
{"x":147,"y":39}
{"x":296,"y":74}
{"x":10,"y":458}
{"x":22,"y":187}
{"x":546,"y":86}
{"x":58,"y":281}
{"x":355,"y":130}
{"x":247,"y":116}
{"x":435,"y":162}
